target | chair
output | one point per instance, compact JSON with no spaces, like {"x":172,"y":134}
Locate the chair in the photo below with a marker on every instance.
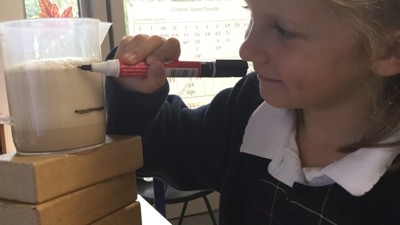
{"x":146,"y":189}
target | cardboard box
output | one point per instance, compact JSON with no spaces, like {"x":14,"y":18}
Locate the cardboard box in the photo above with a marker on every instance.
{"x":128,"y":215}
{"x":78,"y":208}
{"x":36,"y":179}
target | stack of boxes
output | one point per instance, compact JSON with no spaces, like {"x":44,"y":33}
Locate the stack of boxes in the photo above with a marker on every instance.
{"x":93,"y":187}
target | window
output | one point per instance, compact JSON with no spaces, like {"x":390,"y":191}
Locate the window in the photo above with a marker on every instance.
{"x":51,"y":8}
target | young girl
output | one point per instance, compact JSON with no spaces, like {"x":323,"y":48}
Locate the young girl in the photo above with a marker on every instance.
{"x":310,"y":138}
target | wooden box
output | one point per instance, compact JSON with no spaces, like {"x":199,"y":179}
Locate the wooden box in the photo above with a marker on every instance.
{"x":36,"y":179}
{"x":81,"y":207}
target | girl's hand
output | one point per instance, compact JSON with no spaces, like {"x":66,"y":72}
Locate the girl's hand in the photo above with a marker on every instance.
{"x":155,"y":50}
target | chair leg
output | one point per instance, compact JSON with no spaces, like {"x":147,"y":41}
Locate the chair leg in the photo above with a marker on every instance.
{"x":183,"y":213}
{"x":159,"y":198}
{"x":210,"y":211}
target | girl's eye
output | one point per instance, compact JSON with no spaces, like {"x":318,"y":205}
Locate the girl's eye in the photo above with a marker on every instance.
{"x":284,"y":33}
{"x":245,"y":5}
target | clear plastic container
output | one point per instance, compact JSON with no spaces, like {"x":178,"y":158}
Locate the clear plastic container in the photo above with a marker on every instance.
{"x":54,"y":106}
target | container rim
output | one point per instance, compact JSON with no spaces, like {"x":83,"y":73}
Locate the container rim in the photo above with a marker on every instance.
{"x":5,"y":23}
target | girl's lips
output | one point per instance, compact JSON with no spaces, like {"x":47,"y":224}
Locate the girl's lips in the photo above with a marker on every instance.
{"x":266,"y":79}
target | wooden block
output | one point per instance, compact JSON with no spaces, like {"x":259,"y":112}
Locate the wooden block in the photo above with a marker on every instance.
{"x":128,"y":215}
{"x":36,"y":179}
{"x":78,"y":208}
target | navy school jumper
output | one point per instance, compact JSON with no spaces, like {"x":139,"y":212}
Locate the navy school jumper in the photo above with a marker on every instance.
{"x":199,"y":148}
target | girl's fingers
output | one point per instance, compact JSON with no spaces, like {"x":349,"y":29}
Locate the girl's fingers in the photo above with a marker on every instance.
{"x":170,"y":50}
{"x":133,"y":49}
{"x":128,"y":43}
{"x":156,"y":75}
{"x":156,"y":51}
{"x":139,"y":52}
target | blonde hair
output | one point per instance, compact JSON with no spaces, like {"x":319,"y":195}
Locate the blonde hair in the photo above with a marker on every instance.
{"x":373,"y":20}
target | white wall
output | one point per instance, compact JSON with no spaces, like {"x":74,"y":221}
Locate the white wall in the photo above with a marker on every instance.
{"x":9,"y":10}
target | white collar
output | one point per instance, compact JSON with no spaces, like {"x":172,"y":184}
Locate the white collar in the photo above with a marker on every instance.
{"x":274,"y":138}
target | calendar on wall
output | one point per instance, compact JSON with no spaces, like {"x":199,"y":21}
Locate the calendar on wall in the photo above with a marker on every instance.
{"x":207,"y":30}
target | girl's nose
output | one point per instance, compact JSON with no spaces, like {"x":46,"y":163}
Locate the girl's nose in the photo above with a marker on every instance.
{"x":252,"y":49}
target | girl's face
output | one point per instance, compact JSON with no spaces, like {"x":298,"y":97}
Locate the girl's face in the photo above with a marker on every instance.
{"x":305,"y":55}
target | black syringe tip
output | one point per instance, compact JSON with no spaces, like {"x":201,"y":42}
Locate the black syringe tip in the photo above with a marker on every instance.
{"x":85,"y":67}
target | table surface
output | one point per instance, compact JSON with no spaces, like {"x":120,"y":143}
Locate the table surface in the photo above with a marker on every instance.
{"x":150,"y":215}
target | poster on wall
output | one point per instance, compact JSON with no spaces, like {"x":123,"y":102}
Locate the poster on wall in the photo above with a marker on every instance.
{"x":51,"y":8}
{"x":207,"y":30}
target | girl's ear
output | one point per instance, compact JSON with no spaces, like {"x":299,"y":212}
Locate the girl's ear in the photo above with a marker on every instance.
{"x":388,"y":62}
